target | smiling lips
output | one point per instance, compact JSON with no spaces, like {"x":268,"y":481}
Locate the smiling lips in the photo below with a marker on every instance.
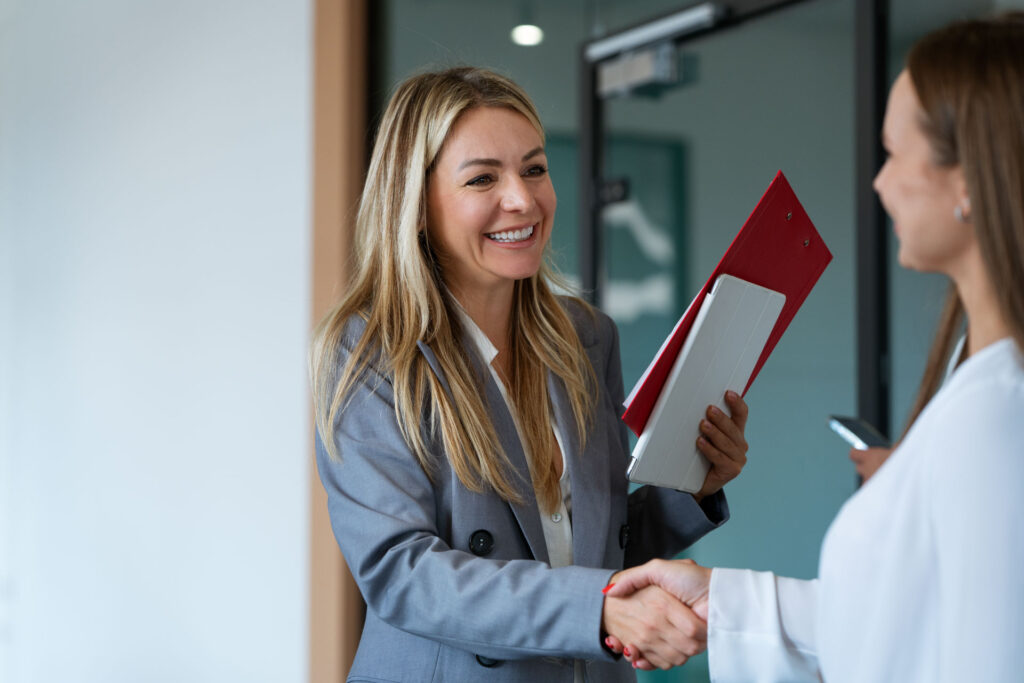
{"x":510,"y":236}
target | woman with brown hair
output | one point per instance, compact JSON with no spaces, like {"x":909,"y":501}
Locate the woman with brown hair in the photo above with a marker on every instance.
{"x":920,"y":573}
{"x":468,"y":431}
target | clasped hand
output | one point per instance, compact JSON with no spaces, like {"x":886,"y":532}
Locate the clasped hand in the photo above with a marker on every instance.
{"x":656,"y":614}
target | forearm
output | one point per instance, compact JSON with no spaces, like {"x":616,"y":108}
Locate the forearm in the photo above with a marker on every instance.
{"x":663,"y":522}
{"x":761,"y":627}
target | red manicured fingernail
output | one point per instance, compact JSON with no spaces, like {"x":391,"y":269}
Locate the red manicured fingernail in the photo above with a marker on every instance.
{"x":634,"y":664}
{"x":607,"y":588}
{"x":626,"y":652}
{"x":608,"y":642}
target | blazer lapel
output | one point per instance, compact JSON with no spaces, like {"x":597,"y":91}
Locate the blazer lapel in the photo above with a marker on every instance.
{"x":526,"y":512}
{"x":590,"y":492}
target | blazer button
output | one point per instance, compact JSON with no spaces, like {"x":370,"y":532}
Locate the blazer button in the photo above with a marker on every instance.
{"x":487,"y":661}
{"x":481,"y":543}
{"x":623,"y":536}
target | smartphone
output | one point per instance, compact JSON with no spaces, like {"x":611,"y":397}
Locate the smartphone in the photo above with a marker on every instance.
{"x":857,"y":432}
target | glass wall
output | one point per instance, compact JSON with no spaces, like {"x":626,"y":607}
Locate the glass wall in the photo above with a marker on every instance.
{"x":776,"y":92}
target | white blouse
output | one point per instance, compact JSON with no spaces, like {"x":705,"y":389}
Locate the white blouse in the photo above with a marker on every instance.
{"x":557,"y":525}
{"x":921,"y":575}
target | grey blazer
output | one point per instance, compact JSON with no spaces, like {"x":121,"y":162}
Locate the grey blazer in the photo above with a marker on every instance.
{"x":457,"y":583}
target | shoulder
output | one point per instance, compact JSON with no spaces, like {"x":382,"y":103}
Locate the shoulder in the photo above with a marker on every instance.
{"x":593,"y":327}
{"x":975,"y":420}
{"x":349,"y":346}
{"x":986,"y":389}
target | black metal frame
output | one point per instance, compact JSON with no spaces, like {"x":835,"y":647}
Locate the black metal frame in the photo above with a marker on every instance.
{"x":871,"y":77}
{"x":874,"y":376}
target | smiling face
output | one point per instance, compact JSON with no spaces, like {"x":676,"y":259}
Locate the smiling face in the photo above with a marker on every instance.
{"x":490,"y":203}
{"x":919,"y":195}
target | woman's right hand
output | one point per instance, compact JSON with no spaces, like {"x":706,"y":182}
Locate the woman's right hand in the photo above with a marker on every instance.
{"x":653,"y":622}
{"x":685,"y":580}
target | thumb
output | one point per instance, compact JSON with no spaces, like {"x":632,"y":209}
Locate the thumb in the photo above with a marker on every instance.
{"x":628,"y":582}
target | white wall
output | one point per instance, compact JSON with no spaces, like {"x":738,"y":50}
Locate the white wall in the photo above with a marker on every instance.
{"x":154,"y":304}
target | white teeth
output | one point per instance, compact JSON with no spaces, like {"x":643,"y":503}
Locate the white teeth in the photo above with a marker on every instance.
{"x":512,"y":235}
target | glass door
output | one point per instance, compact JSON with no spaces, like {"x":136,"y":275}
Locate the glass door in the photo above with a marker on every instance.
{"x":683,"y":166}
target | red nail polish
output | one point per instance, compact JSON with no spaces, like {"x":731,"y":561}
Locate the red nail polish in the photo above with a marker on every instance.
{"x":607,"y":588}
{"x":626,"y":652}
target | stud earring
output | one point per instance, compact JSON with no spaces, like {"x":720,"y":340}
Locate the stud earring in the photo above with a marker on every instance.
{"x":963,"y":212}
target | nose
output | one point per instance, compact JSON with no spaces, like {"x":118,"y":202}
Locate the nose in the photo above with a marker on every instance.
{"x":877,"y":182}
{"x":516,"y":195}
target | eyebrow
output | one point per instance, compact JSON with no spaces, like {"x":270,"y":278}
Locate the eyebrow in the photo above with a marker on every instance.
{"x":494,"y":162}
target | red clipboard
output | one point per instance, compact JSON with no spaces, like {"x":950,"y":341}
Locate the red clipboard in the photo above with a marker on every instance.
{"x":778,"y":248}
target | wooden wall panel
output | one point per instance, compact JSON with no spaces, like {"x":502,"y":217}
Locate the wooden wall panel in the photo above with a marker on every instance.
{"x":340,"y":91}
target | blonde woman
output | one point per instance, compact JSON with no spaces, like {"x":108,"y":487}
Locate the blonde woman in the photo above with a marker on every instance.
{"x":920,"y":573}
{"x":467,"y":418}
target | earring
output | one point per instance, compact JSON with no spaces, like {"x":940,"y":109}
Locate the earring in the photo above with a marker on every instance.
{"x":961,"y":213}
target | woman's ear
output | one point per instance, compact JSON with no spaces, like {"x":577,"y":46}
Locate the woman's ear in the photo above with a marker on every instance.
{"x":962,"y":207}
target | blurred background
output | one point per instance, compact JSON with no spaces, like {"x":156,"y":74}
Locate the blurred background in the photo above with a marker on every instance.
{"x":175,"y":186}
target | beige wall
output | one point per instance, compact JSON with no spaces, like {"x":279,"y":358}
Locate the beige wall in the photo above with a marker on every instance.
{"x":339,"y":132}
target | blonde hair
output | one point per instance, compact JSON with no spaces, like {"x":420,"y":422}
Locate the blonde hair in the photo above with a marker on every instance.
{"x":969,"y":79}
{"x":397,"y":288}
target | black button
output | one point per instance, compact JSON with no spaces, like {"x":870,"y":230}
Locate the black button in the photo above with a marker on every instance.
{"x":481,"y":542}
{"x":623,"y":536}
{"x":487,"y":661}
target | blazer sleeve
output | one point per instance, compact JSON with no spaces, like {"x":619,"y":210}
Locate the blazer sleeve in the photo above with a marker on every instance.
{"x":383,"y":509}
{"x":662,"y":522}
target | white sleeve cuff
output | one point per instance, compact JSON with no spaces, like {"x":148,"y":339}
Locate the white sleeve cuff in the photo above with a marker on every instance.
{"x":761,"y":627}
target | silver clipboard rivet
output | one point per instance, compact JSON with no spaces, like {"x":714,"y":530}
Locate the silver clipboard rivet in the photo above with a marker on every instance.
{"x":789,"y":215}
{"x":807,"y":243}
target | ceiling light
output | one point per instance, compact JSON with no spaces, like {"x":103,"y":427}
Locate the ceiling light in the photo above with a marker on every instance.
{"x":527,"y":34}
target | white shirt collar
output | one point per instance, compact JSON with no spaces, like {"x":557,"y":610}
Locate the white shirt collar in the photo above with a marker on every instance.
{"x":487,"y":350}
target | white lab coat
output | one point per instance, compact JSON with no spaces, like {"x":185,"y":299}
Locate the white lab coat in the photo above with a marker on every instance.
{"x":921,"y":575}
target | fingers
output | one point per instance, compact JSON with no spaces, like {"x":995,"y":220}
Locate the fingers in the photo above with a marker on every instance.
{"x":632,"y":580}
{"x":655,"y":626}
{"x":738,"y":408}
{"x":869,"y":460}
{"x":724,"y":432}
{"x":725,"y":467}
{"x":639,"y":661}
{"x":644,"y":665}
{"x":686,"y":580}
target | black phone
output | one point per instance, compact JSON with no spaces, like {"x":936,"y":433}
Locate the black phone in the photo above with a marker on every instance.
{"x":859,"y":433}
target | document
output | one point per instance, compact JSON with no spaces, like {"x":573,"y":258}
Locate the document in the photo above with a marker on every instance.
{"x":778,"y":250}
{"x":720,"y":352}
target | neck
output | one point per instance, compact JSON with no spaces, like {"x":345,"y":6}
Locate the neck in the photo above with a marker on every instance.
{"x":491,"y":310}
{"x":985,"y":323}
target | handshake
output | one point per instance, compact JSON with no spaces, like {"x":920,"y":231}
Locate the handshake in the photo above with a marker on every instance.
{"x":656,"y":614}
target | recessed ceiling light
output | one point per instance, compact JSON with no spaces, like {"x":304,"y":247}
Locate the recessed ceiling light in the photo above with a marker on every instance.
{"x":527,"y":34}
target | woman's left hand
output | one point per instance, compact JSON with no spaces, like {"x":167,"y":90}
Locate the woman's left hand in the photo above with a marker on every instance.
{"x":723,"y":444}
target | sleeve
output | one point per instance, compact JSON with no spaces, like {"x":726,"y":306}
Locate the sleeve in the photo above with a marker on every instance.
{"x":977,"y":508}
{"x":383,"y":510}
{"x":662,"y":522}
{"x":761,"y":628}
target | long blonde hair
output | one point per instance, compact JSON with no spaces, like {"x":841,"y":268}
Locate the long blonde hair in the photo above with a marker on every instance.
{"x":969,"y":79}
{"x":397,"y":288}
